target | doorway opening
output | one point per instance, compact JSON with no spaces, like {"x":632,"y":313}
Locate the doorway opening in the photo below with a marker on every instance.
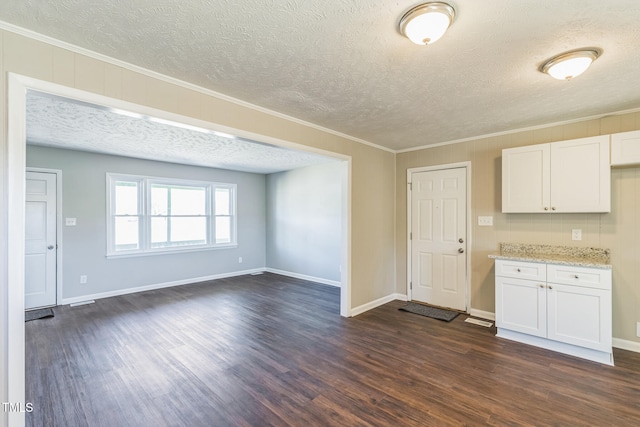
{"x":16,"y":171}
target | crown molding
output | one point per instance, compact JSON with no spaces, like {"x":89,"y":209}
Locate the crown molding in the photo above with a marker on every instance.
{"x":513,"y":131}
{"x":172,"y":80}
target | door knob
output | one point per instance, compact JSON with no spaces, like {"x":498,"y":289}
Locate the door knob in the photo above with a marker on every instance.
{"x":460,"y":251}
{"x":461,"y":240}
{"x":50,"y":247}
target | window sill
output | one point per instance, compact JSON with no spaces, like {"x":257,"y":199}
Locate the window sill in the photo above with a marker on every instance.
{"x":174,"y":251}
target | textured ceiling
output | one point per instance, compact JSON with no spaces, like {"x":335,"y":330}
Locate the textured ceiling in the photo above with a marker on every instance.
{"x":58,"y":122}
{"x":341,"y":64}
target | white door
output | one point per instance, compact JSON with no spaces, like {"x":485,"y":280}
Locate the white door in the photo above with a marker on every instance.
{"x":438,"y":237}
{"x":40,"y":240}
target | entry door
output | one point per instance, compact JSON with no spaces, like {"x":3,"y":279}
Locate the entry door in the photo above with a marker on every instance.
{"x":438,"y":238}
{"x":40,"y":240}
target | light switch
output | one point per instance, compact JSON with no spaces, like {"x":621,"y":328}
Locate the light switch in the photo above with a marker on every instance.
{"x":485,"y":221}
{"x":70,"y":222}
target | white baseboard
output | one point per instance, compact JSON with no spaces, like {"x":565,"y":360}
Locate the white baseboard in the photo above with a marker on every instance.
{"x":573,"y":350}
{"x":483,"y":314}
{"x":157,"y":286}
{"x":373,"y":304}
{"x":626,"y":345}
{"x":401,"y":297}
{"x":304,"y":277}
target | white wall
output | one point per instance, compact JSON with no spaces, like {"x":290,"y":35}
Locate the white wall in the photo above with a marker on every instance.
{"x":84,"y":246}
{"x":304,"y":214}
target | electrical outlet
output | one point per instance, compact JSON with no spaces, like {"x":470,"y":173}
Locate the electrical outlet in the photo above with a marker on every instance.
{"x":83,"y":279}
{"x":239,"y":260}
{"x":576,"y":234}
{"x":70,"y":222}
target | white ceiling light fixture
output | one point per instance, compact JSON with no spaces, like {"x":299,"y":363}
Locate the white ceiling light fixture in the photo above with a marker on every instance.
{"x":427,"y":22}
{"x":570,"y":64}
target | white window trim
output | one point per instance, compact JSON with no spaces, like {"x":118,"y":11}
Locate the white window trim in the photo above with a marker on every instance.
{"x":144,"y":201}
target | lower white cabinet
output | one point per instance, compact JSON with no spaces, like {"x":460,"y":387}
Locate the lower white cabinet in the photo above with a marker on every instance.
{"x":559,"y":307}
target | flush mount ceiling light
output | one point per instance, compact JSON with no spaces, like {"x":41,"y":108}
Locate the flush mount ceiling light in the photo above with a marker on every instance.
{"x":570,"y":64}
{"x":427,"y":22}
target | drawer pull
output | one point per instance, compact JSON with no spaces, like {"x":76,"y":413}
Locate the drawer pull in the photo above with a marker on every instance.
{"x":518,"y":270}
{"x":576,"y":276}
{"x":550,"y":287}
{"x":541,"y":286}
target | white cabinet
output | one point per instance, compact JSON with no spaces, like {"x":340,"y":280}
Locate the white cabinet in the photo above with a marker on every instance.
{"x":625,"y":148}
{"x":559,"y":307}
{"x":523,"y":306}
{"x":566,"y":176}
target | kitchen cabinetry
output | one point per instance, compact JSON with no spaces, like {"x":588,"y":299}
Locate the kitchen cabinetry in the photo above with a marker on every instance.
{"x":565,"y":176}
{"x":625,"y":148}
{"x":558,"y":307}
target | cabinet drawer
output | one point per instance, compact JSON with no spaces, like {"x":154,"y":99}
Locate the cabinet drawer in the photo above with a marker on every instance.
{"x":521,"y":270}
{"x":579,"y":276}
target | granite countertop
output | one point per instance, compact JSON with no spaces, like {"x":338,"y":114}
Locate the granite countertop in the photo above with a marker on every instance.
{"x":565,"y":255}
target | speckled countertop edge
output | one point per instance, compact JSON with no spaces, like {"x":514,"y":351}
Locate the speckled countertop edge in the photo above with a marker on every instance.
{"x":564,"y":255}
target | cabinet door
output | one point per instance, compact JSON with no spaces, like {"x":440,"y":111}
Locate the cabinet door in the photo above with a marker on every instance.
{"x":581,"y":175}
{"x":521,"y":306}
{"x":525,"y":179}
{"x":625,"y":148}
{"x":579,"y":316}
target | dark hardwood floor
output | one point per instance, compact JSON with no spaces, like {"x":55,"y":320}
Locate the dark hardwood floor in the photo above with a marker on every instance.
{"x":271,"y":350}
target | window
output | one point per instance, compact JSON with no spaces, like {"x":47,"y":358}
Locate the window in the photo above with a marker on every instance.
{"x":150,"y":215}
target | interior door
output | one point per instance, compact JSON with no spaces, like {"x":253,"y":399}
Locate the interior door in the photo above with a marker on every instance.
{"x":40,"y":240}
{"x":438,"y":237}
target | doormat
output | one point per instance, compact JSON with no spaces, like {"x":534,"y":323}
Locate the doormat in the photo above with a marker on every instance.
{"x":425,"y":310}
{"x":42,"y":313}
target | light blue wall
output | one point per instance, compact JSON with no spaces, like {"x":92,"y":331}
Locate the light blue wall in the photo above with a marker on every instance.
{"x":304,"y":220}
{"x":84,"y":246}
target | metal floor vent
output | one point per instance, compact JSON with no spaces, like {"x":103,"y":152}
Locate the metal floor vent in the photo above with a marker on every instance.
{"x":479,"y":322}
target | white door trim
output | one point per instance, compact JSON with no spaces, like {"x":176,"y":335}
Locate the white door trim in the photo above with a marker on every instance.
{"x":410,"y":172}
{"x":58,"y":174}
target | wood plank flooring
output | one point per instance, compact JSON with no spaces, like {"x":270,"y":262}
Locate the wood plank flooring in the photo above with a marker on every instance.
{"x":271,"y":350}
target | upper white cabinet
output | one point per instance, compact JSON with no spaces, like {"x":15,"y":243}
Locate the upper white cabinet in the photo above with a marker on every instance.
{"x":566,"y":176}
{"x":625,"y":148}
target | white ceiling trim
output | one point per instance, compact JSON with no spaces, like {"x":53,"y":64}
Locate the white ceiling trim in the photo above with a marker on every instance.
{"x":172,"y":80}
{"x":153,"y":74}
{"x":511,"y":132}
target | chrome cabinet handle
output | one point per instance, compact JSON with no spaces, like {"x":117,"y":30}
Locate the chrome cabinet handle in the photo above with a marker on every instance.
{"x":546,"y":208}
{"x":461,"y":240}
{"x":550,"y":287}
{"x":541,"y":286}
{"x":576,"y":276}
{"x":50,"y":247}
{"x":553,"y":209}
{"x":518,"y":270}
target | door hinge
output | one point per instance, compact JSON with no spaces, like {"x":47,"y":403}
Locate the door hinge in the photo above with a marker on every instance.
{"x":411,"y":285}
{"x":410,"y":236}
{"x":410,"y":186}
